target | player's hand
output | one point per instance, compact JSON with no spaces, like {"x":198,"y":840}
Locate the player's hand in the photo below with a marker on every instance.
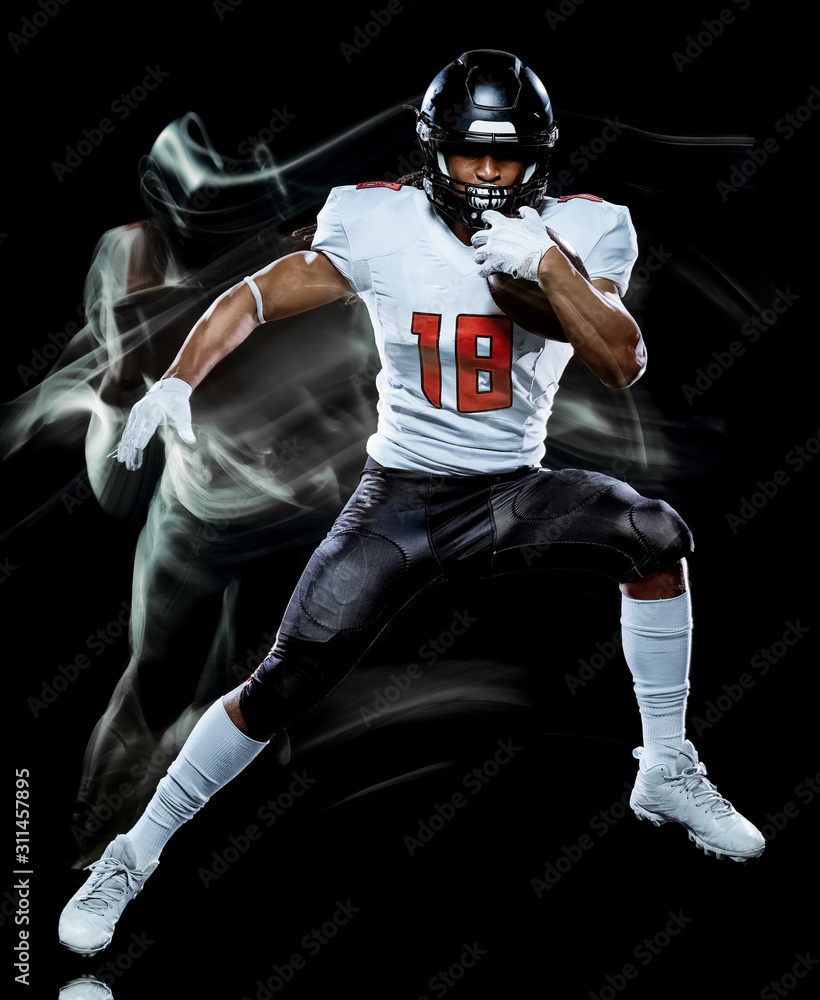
{"x":512,"y":246}
{"x":166,"y":400}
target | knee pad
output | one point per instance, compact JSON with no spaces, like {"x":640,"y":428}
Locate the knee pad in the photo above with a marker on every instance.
{"x":662,"y":533}
{"x":289,"y":683}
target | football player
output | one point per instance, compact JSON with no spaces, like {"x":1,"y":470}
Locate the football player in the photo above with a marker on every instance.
{"x":453,"y":482}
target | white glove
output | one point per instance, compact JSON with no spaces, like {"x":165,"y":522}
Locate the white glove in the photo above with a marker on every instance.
{"x":166,"y":400}
{"x":513,"y":246}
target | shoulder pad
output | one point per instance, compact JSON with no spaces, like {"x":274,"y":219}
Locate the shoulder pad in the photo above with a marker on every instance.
{"x":586,"y":197}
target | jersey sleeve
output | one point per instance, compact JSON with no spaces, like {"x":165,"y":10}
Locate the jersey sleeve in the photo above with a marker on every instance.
{"x":615,"y":252}
{"x":333,"y":241}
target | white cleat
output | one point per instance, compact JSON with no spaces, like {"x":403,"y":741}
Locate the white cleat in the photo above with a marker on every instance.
{"x":683,"y":794}
{"x":88,"y":920}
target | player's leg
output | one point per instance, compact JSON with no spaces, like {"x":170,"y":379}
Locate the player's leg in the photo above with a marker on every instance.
{"x":582,"y":518}
{"x":671,"y":784}
{"x":574,"y":518}
{"x":356,"y":582}
{"x":215,"y":752}
{"x":656,"y":630}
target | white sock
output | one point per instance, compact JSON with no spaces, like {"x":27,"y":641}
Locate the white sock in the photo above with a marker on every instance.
{"x":214,"y":753}
{"x":657,"y":638}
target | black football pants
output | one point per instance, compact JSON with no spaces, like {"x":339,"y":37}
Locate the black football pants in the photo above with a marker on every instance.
{"x":402,"y":533}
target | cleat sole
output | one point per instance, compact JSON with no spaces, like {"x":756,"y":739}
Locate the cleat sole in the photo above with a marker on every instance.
{"x":709,"y":852}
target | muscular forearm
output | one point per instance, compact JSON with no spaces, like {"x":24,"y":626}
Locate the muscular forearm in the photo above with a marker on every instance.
{"x":603,"y":334}
{"x":291,"y":285}
{"x":227,"y":323}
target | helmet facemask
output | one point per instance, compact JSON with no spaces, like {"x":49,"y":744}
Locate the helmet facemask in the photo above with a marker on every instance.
{"x":464,"y":202}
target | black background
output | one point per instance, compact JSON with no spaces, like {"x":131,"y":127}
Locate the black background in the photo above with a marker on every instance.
{"x":732,"y":253}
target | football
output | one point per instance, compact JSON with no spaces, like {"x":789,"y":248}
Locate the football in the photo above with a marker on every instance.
{"x":525,"y":303}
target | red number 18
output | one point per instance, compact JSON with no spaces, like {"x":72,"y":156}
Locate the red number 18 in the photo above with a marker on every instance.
{"x":483,"y":359}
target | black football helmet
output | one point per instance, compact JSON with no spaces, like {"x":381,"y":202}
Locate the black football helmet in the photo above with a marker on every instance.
{"x":485,"y":97}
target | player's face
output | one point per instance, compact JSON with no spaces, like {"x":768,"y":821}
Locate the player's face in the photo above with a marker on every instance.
{"x":484,"y":168}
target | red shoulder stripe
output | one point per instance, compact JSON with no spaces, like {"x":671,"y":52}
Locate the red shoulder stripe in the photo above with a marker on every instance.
{"x":379,"y":184}
{"x":586,"y":197}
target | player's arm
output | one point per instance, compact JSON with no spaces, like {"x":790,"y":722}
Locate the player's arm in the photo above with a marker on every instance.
{"x":601,"y":331}
{"x":294,"y":284}
{"x":589,"y":313}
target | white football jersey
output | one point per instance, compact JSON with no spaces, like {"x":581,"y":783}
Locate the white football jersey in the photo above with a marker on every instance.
{"x":462,"y":390}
